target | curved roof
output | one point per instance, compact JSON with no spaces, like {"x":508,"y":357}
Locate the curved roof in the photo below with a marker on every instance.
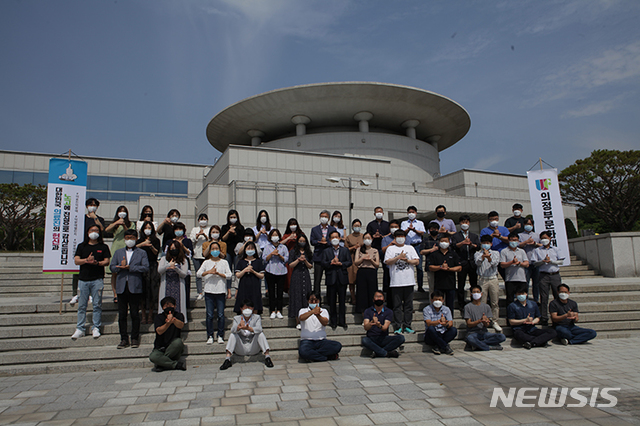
{"x":334,"y":105}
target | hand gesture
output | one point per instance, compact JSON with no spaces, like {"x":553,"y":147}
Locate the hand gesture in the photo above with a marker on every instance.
{"x":302,"y":258}
{"x":263,"y":231}
{"x":442,"y":230}
{"x":172,"y":265}
{"x":496,"y":233}
{"x":546,"y":259}
{"x":91,"y":260}
{"x":515,"y":261}
{"x":410,"y":225}
{"x":169,"y":318}
{"x":528,"y":320}
{"x":275,"y":253}
{"x":212,"y":271}
{"x":443,"y":320}
{"x":376,"y":321}
{"x":486,"y":254}
{"x":445,"y":266}
{"x":123,"y":264}
{"x":242,"y":324}
{"x":248,"y":269}
{"x":377,"y":234}
{"x":232,"y":230}
{"x":93,"y":215}
{"x":120,"y":221}
{"x":402,"y":256}
{"x":530,"y":241}
{"x":335,"y":261}
{"x":486,"y":321}
{"x":466,"y":241}
{"x":323,"y":240}
{"x":317,"y":310}
{"x":518,"y":225}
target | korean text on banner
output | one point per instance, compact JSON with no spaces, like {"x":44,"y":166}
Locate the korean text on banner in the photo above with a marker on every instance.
{"x":64,"y":227}
{"x":546,"y":206}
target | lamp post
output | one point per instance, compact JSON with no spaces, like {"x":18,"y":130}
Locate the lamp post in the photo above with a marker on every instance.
{"x":342,"y":180}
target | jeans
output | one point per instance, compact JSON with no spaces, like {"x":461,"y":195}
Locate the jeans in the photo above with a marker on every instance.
{"x":482,"y":341}
{"x":419,"y":270}
{"x":197,"y":263}
{"x":169,"y":358}
{"x":94,"y":289}
{"x":318,"y":350}
{"x":215,"y":302}
{"x":381,"y":345}
{"x":433,"y":337}
{"x":128,"y":301}
{"x":574,"y":334}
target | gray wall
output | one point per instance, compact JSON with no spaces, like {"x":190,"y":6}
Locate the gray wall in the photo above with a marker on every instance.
{"x":612,"y":255}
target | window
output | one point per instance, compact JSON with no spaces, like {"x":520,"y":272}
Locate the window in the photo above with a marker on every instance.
{"x":165,"y":186}
{"x":133,"y":184}
{"x":180,"y":187}
{"x":98,"y":183}
{"x":6,"y":176}
{"x":117,"y":184}
{"x":150,"y":185}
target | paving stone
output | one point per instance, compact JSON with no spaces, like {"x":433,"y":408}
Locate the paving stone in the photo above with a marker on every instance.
{"x":387,"y":418}
{"x":197,"y":412}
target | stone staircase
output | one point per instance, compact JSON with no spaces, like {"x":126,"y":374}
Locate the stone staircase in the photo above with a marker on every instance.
{"x":35,"y":338}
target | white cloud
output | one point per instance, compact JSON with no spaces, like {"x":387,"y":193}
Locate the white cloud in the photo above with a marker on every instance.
{"x":595,"y":108}
{"x":486,"y":163}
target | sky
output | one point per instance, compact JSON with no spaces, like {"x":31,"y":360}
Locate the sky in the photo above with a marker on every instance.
{"x":142,"y":79}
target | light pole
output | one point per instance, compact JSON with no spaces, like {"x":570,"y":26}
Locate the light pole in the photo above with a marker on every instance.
{"x":341,"y":180}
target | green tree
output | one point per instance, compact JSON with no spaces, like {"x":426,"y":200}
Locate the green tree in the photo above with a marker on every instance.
{"x":21,"y":213}
{"x":607,"y":185}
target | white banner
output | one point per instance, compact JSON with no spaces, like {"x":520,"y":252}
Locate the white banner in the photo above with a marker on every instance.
{"x":546,"y":207}
{"x":64,"y":227}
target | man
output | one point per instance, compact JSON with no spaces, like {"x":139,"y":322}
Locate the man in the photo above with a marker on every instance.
{"x":445,"y":226}
{"x":529,"y":241}
{"x":402,"y":260}
{"x":499,"y":234}
{"x":377,"y":320}
{"x":336,"y":260}
{"x":478,"y":315}
{"x":414,"y":229}
{"x":444,"y":264}
{"x":439,"y":325}
{"x":523,"y":315}
{"x":548,"y":260}
{"x":466,"y":244}
{"x":516,"y":222}
{"x":387,"y":241}
{"x":314,"y":345}
{"x":246,"y":336}
{"x":430,"y":246}
{"x":487,"y":261}
{"x":320,"y":241}
{"x":168,"y":346}
{"x":379,"y":229}
{"x":515,"y":263}
{"x":564,"y":314}
{"x":130,"y":263}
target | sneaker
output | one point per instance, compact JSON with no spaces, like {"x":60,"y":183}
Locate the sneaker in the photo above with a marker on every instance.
{"x":210,"y":340}
{"x":220,"y":340}
{"x":398,"y":331}
{"x":435,"y":350}
{"x":73,"y":300}
{"x":135,"y":343}
{"x":564,"y":342}
{"x":299,"y":327}
{"x":448,"y":350}
{"x":157,"y":369}
{"x":200,"y":296}
{"x":77,"y":334}
{"x":279,"y":315}
{"x":96,"y":333}
{"x":226,"y":364}
{"x":495,"y":347}
{"x":273,"y":315}
{"x":268,"y":362}
{"x":393,"y":354}
{"x":123,"y":344}
{"x":408,"y":330}
{"x":527,"y":345}
{"x":497,"y":327}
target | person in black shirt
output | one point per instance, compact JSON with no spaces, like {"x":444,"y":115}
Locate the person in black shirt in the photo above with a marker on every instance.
{"x":444,"y":264}
{"x":151,"y":279}
{"x":168,"y":346}
{"x":429,"y":246}
{"x":379,"y":228}
{"x":516,"y":222}
{"x":564,"y":314}
{"x":165,"y":228}
{"x":466,"y":244}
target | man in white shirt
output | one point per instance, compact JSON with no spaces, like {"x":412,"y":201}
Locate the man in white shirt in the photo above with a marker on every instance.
{"x":548,"y":260}
{"x":314,"y":345}
{"x":415,"y":229}
{"x":402,"y":260}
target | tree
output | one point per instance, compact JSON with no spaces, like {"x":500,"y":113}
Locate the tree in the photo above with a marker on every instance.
{"x":21,"y":212}
{"x":607,"y":184}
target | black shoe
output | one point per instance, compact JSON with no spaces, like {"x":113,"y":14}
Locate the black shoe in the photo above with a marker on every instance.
{"x":495,"y":348}
{"x":123,"y":344}
{"x":468,"y":347}
{"x":344,"y":327}
{"x":135,"y":343}
{"x":333,"y":357}
{"x":226,"y":364}
{"x":157,"y":369}
{"x":421,"y":290}
{"x":373,"y":355}
{"x":435,"y":350}
{"x":527,"y":345}
{"x":393,"y":354}
{"x":268,"y":362}
{"x":333,"y":326}
{"x":448,"y":350}
{"x":181,"y":365}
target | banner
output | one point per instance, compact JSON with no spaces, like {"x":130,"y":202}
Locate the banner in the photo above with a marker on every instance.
{"x":546,"y":207}
{"x":64,"y":227}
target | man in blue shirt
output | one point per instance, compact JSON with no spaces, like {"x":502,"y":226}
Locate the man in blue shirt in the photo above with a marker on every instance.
{"x":548,"y":260}
{"x":439,"y":325}
{"x":523,"y":315}
{"x":415,"y":229}
{"x":377,"y":320}
{"x":499,"y":233}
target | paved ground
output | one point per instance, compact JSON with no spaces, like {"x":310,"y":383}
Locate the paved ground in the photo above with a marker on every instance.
{"x":418,"y":389}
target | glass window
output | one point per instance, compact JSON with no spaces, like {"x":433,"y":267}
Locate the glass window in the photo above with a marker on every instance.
{"x":165,"y":186}
{"x":98,"y":183}
{"x":22,"y":177}
{"x":133,"y":184}
{"x":40,"y":178}
{"x":6,"y":176}
{"x":150,"y":185}
{"x":180,"y":187}
{"x":117,"y":184}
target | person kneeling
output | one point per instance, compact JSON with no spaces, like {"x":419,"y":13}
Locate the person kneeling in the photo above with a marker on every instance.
{"x":168,"y":346}
{"x":439,"y":325}
{"x":523,"y":315}
{"x":478,"y":317}
{"x":246,"y":337}
{"x":377,"y":320}
{"x":314,"y":345}
{"x":564,"y":314}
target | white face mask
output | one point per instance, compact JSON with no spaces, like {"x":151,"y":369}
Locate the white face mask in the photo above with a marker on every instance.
{"x":92,"y":209}
{"x":335,"y":241}
{"x":215,"y":235}
{"x":94,"y":235}
{"x":476,"y":296}
{"x":174,"y":219}
{"x":247,"y":312}
{"x":324,"y":220}
{"x":247,"y":239}
{"x":444,"y":245}
{"x":203,"y":223}
{"x":412,"y":216}
{"x":233,"y":220}
{"x":563,"y":296}
{"x":494,"y":223}
{"x":263,"y":219}
{"x":130,"y":243}
{"x":336,"y":219}
{"x":122,"y":215}
{"x":400,"y":240}
{"x":393,"y":230}
{"x":367,"y":242}
{"x":517,"y":213}
{"x":545,"y":242}
{"x":293,"y":228}
{"x":356,"y":229}
{"x":437,"y":304}
{"x":275,"y":239}
{"x":379,"y":215}
{"x":464,"y":226}
{"x":147,"y":232}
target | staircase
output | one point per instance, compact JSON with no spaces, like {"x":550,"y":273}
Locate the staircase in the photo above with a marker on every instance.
{"x":35,"y":338}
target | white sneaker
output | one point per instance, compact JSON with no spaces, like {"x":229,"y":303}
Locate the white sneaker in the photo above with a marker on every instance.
{"x":210,"y":341}
{"x":299,"y":327}
{"x":77,"y":334}
{"x":73,"y":300}
{"x":220,"y":340}
{"x":279,"y":315}
{"x":200,"y":296}
{"x":96,"y":333}
{"x":90,"y":299}
{"x":273,"y":315}
{"x":497,"y":327}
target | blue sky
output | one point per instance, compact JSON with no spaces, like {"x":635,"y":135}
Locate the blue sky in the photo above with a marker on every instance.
{"x":142,"y":79}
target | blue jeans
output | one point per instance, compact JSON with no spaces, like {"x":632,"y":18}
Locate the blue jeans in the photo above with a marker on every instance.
{"x":318,"y":350}
{"x":574,"y":334}
{"x":433,"y":337}
{"x":94,"y":289}
{"x":383,"y":344}
{"x":215,"y":302}
{"x":482,"y":341}
{"x":197,"y":263}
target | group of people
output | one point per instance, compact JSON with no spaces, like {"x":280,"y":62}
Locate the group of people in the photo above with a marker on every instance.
{"x":150,"y":275}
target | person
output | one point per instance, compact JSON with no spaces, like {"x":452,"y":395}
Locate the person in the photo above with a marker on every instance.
{"x":168,"y":346}
{"x":121,"y":223}
{"x":487,"y":261}
{"x":248,"y":237}
{"x":379,"y":228}
{"x":516,"y":222}
{"x":402,"y":260}
{"x":249,"y":272}
{"x":92,"y":255}
{"x":215,"y":272}
{"x":198,"y":235}
{"x":445,"y":226}
{"x":179,"y":230}
{"x":146,"y":215}
{"x":477,"y":315}
{"x":262,"y":229}
{"x":428,"y":247}
{"x":529,"y":241}
{"x":314,"y":345}
{"x":444,"y":264}
{"x":148,"y":242}
{"x":166,"y":227}
{"x":414,"y":229}
{"x":319,"y":239}
{"x":353,"y":242}
{"x":548,"y":259}
{"x":564,"y":314}
{"x":290,"y":240}
{"x":439,"y":331}
{"x":387,"y":240}
{"x":336,"y":221}
{"x":523,"y":315}
{"x":336,"y":260}
{"x":275,"y":256}
{"x":466,"y":244}
{"x":130,"y":264}
{"x":500,"y":235}
{"x":173,"y":270}
{"x":367,"y":263}
{"x":214,"y":237}
{"x":300,"y":261}
{"x":246,"y":336}
{"x":232,"y":233}
{"x":515,"y":263}
{"x":377,"y":319}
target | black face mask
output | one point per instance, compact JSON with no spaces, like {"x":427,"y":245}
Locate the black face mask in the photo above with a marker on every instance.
{"x":433,"y":233}
{"x":440,"y":214}
{"x":378,"y":302}
{"x":174,"y":252}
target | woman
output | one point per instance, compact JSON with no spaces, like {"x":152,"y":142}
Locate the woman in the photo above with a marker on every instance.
{"x":249,"y":272}
{"x":214,"y":272}
{"x":367,"y":260}
{"x":151,"y":279}
{"x":290,"y":239}
{"x":214,"y":237}
{"x":353,"y":243}
{"x":337,"y":223}
{"x":179,"y":230}
{"x":166,"y":227}
{"x":198,"y":236}
{"x":248,"y":237}
{"x":262,"y":229}
{"x":121,"y":223}
{"x":173,"y":270}
{"x":300,"y":261}
{"x":146,"y":214}
{"x":275,"y":256}
{"x":232,"y":233}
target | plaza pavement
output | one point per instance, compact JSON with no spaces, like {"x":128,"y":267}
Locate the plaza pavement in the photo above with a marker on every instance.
{"x":415,"y":389}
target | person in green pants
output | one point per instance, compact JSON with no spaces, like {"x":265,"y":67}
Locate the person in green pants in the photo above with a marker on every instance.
{"x":168,"y":346}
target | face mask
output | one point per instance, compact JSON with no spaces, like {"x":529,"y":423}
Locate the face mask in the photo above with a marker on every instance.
{"x":517,"y":213}
{"x":521,"y":297}
{"x":147,"y":232}
{"x":412,"y":216}
{"x":367,"y":242}
{"x":513,"y":244}
{"x":122,"y":215}
{"x":379,"y":216}
{"x":293,"y":228}
{"x":437,"y":303}
{"x":215,"y":235}
{"x":494,"y":223}
{"x":174,"y":252}
{"x":528,"y":228}
{"x":464,"y":226}
{"x":400,"y":240}
{"x":302,"y":243}
{"x":130,"y":243}
{"x":312,"y":306}
{"x":393,"y":230}
{"x":233,"y":220}
{"x":247,"y":312}
{"x":476,"y":296}
{"x":356,"y":229}
{"x":174,"y":219}
{"x":486,"y":246}
{"x":444,"y":245}
{"x":378,"y":302}
{"x":335,"y":241}
{"x":563,"y":296}
{"x":179,"y":233}
{"x":324,"y":220}
{"x":247,"y":239}
{"x":92,"y":209}
{"x":215,"y":253}
{"x":440,"y":214}
{"x":545,"y":242}
{"x":250,"y":252}
{"x":275,"y":239}
{"x":433,"y":233}
{"x":263,"y":219}
{"x":203,"y":223}
{"x":94,"y":235}
{"x":337,"y":219}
